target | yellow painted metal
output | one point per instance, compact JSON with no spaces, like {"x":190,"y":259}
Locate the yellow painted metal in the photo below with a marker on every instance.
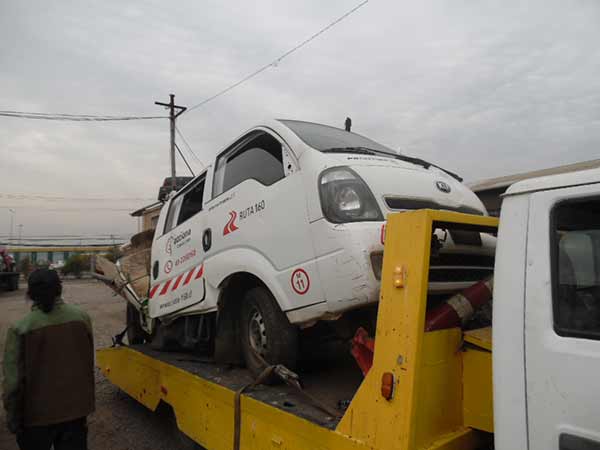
{"x":478,"y":406}
{"x":482,"y":337}
{"x":205,"y":410}
{"x":426,"y":409}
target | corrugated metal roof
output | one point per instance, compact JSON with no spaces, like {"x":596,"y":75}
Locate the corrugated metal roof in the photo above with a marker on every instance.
{"x":502,"y":182}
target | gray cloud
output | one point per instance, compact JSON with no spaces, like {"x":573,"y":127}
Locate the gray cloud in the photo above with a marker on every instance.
{"x":484,"y":88}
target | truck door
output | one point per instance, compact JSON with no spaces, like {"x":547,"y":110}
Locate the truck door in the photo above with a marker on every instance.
{"x":259,"y":219}
{"x":562,"y":319}
{"x":177,"y":256}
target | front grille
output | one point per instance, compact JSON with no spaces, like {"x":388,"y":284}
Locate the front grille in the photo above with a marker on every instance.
{"x":447,"y":274}
{"x":459,"y":259}
{"x":448,"y":267}
{"x":399,"y":203}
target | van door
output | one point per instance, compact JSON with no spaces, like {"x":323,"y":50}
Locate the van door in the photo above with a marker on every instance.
{"x":562,"y":319}
{"x":178,"y":270}
{"x":258,"y":216}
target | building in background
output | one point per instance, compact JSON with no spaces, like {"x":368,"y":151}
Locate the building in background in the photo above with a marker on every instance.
{"x":490,"y":191}
{"x":55,"y":254}
{"x":148,"y":216}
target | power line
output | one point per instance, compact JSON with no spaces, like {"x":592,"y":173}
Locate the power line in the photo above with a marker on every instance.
{"x":188,"y":146}
{"x":184,"y":160}
{"x":10,"y":196}
{"x":45,"y":209}
{"x":74,"y":117}
{"x":278,"y":60}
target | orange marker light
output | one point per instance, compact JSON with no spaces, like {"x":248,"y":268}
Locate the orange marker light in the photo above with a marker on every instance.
{"x":164,"y":390}
{"x":387,"y":385}
{"x":398,"y":277}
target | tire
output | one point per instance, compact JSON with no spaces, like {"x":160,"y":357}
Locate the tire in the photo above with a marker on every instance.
{"x":266,"y":330}
{"x":135,"y":332}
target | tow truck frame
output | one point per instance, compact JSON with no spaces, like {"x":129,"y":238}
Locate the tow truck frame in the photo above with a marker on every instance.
{"x":441,"y":381}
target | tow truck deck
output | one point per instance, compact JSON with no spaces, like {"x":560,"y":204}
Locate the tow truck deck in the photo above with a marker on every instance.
{"x":438,"y":384}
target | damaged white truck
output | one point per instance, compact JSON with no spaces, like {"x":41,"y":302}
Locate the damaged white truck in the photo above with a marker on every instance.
{"x":282,"y":235}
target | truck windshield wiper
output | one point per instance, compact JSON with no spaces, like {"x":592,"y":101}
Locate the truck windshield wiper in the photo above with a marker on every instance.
{"x":409,"y":159}
{"x":357,"y":150}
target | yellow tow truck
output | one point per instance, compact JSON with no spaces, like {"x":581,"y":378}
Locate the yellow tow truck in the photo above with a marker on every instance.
{"x":427,"y":389}
{"x":442,"y":386}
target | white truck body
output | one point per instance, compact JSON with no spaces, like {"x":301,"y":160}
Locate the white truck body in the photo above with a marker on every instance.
{"x":546,"y":318}
{"x":264,"y":217}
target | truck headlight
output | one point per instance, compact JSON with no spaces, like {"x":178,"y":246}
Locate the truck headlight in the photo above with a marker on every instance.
{"x":345,"y":197}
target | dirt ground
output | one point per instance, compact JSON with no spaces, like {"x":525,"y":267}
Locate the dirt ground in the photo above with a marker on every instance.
{"x":119,"y":423}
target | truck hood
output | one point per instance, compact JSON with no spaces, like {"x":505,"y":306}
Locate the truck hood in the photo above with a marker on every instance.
{"x":398,"y":185}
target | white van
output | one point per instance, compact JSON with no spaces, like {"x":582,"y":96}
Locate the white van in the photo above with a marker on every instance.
{"x":287,"y":229}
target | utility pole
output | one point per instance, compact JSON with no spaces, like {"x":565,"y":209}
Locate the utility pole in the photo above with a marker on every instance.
{"x":172,"y":116}
{"x":12,"y":220}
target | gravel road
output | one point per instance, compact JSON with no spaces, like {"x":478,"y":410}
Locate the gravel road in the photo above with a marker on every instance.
{"x":119,"y":423}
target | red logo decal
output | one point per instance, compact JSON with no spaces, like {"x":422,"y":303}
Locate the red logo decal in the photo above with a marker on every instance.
{"x":168,"y":266}
{"x":300,"y":281}
{"x":230,"y":227}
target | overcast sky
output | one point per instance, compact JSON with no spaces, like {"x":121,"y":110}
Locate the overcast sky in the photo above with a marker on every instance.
{"x":482,"y":88}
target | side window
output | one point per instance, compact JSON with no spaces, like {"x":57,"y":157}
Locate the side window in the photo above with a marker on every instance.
{"x":174,"y":208}
{"x":192,"y":202}
{"x":260,"y":158}
{"x":576,"y":268}
{"x":185,"y":206}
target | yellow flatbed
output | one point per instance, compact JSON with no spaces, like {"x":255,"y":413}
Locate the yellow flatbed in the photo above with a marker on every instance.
{"x":441,"y":380}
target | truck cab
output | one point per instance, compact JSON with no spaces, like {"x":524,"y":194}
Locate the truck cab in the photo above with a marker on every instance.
{"x":546,"y":320}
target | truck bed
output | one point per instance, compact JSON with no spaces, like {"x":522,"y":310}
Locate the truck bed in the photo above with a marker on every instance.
{"x":331,"y":376}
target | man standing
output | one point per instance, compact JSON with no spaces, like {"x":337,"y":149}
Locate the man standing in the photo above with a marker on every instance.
{"x":48,"y":387}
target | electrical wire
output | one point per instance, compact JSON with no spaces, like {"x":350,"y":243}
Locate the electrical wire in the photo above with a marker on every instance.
{"x":45,"y":209}
{"x":188,"y":146}
{"x":10,"y":196}
{"x":74,"y":117}
{"x":279,"y":59}
{"x":184,"y":160}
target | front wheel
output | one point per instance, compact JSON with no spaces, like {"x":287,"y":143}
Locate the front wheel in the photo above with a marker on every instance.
{"x":266,"y":331}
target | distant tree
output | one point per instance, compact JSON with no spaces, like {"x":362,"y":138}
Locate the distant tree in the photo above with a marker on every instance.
{"x":76,"y":265}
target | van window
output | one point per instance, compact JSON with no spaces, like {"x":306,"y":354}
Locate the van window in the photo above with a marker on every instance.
{"x":192,"y":202}
{"x":576,"y":264}
{"x":260,"y":159}
{"x":174,"y":208}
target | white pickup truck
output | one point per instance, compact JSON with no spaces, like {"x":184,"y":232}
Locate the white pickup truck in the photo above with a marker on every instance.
{"x":286,"y":229}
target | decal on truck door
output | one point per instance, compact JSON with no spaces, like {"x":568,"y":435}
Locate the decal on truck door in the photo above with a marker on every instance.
{"x":230,"y":226}
{"x":178,"y":292}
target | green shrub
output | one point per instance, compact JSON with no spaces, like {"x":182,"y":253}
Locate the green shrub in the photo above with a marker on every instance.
{"x":76,"y":265}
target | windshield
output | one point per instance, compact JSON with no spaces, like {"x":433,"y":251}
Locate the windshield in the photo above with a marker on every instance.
{"x":324,"y":137}
{"x":332,"y":140}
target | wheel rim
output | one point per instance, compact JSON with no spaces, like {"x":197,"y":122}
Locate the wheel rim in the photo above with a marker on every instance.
{"x":257,"y":333}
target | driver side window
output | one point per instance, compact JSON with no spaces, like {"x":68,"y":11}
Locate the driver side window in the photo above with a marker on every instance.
{"x":260,"y":158}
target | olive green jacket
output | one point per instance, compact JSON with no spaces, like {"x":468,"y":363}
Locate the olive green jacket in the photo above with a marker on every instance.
{"x":48,"y":368}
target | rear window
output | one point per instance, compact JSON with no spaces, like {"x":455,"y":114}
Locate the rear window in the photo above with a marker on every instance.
{"x":323,"y":137}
